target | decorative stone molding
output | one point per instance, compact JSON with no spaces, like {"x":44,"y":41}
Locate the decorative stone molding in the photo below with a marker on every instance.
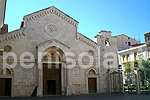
{"x":92,"y":68}
{"x":52,"y":41}
{"x":12,"y":35}
{"x":51,"y":10}
{"x":7,"y":68}
{"x":86,"y":40}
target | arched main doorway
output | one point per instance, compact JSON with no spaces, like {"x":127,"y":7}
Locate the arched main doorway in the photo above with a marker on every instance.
{"x":54,"y":71}
{"x":51,"y":74}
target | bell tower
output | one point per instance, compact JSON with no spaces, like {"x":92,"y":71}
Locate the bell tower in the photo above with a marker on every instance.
{"x":3,"y":27}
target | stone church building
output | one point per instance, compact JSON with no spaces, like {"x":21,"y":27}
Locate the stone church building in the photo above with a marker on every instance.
{"x":48,"y":56}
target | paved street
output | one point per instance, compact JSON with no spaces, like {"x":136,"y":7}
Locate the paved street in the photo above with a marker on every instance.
{"x":88,"y":97}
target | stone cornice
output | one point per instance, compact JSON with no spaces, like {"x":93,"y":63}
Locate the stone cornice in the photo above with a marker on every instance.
{"x":50,"y":10}
{"x":105,"y":31}
{"x":86,"y":40}
{"x":12,"y":35}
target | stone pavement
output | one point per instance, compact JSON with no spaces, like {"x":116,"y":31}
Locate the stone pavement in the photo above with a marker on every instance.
{"x":88,"y":97}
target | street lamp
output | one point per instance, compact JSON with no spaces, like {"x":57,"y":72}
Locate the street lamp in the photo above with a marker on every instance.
{"x":135,"y":65}
{"x":120,"y":67}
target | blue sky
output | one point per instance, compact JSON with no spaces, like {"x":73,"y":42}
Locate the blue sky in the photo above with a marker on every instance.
{"x":130,"y":17}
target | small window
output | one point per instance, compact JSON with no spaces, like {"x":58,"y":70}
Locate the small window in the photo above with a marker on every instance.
{"x":107,"y":43}
{"x":148,"y":37}
{"x":128,"y":38}
{"x":129,"y":43}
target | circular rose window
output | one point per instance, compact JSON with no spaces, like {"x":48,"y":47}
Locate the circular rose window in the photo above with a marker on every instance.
{"x":51,"y":29}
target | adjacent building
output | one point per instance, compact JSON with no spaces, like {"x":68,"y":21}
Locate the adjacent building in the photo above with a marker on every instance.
{"x":147,"y":41}
{"x":130,"y":56}
{"x":125,"y":42}
{"x":133,"y":54}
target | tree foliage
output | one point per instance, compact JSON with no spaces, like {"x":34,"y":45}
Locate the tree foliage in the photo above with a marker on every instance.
{"x":146,"y":63}
{"x":129,"y":69}
{"x":145,"y":71}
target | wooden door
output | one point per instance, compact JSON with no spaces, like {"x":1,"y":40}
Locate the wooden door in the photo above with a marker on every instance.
{"x":51,"y":79}
{"x":51,"y":86}
{"x":2,"y":87}
{"x":5,"y":87}
{"x":8,"y":87}
{"x":92,"y":85}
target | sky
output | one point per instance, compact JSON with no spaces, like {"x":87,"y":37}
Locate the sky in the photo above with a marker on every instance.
{"x":129,"y":17}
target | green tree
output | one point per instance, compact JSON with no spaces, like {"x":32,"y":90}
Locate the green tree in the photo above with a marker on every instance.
{"x":129,"y":72}
{"x":145,"y":63}
{"x":145,"y":71}
{"x":129,"y":67}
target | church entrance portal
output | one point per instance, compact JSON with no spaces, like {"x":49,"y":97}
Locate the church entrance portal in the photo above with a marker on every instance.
{"x":52,"y":79}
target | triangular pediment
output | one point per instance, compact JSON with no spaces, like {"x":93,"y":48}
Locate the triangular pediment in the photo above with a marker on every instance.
{"x":53,"y":41}
{"x":50,"y":10}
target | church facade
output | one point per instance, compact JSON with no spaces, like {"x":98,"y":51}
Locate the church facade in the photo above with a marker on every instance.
{"x":48,"y":56}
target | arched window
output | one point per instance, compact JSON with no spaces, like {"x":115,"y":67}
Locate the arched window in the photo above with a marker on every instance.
{"x":107,"y":42}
